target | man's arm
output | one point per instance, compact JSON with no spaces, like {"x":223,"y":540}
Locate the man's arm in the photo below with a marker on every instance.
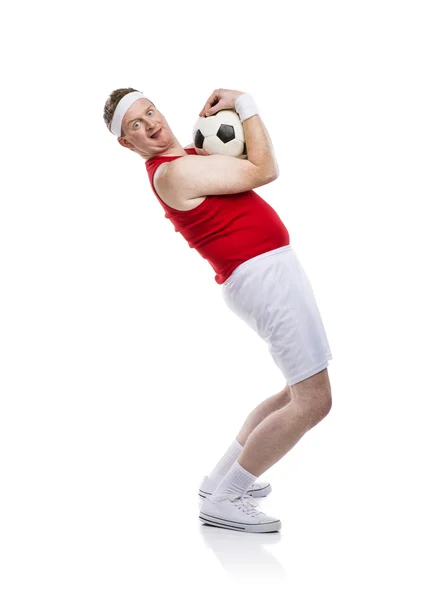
{"x":259,"y":146}
{"x":194,"y":176}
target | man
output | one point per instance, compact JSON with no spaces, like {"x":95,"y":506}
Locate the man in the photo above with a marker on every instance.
{"x":212,"y":203}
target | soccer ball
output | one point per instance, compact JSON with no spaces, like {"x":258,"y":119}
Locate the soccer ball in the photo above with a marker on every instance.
{"x":221,"y":133}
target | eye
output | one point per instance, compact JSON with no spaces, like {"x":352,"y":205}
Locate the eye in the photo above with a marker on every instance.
{"x":148,"y":112}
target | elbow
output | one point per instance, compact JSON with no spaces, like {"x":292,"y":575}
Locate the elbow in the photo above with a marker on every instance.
{"x":262,"y":178}
{"x":273,"y":176}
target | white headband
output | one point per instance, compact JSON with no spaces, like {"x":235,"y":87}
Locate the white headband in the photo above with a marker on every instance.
{"x":126,"y":103}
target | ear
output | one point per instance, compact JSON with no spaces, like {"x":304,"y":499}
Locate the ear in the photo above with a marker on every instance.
{"x":123,"y":142}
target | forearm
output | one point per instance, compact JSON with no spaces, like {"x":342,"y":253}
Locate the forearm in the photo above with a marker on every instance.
{"x":259,"y":147}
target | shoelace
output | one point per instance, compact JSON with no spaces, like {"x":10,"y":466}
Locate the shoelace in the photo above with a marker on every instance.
{"x":248,"y":507}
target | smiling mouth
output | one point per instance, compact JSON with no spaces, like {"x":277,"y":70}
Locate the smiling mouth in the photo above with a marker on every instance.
{"x":155,"y":134}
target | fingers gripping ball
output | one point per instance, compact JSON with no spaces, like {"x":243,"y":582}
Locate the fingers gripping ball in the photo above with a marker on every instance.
{"x":222,"y":133}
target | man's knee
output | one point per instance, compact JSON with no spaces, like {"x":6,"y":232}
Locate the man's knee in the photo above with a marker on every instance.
{"x":314,"y":396}
{"x":322,"y":407}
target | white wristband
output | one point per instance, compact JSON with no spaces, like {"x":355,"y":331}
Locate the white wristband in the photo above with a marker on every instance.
{"x":246,"y":107}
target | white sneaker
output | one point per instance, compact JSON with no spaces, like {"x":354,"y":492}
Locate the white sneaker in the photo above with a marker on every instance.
{"x":233,"y":511}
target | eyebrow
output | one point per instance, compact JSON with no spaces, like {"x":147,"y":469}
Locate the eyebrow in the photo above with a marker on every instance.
{"x":138,"y":118}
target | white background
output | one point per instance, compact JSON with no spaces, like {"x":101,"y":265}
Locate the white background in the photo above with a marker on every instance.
{"x":124,"y":377}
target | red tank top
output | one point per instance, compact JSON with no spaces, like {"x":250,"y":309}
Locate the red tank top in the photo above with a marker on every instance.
{"x":226,"y":230}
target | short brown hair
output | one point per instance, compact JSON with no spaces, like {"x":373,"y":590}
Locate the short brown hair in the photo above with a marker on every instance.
{"x":112,"y":102}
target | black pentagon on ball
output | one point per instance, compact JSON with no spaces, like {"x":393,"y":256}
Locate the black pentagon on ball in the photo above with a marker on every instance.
{"x":199,"y":139}
{"x":226,"y":133}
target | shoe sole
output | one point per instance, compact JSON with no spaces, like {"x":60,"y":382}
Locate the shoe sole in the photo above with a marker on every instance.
{"x":262,"y":493}
{"x":238,"y":526}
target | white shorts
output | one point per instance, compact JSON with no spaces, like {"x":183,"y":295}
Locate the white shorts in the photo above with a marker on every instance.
{"x":272,"y":294}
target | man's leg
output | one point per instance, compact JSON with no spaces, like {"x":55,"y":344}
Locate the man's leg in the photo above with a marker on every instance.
{"x":282,"y":429}
{"x":261,"y":411}
{"x":272,"y":404}
{"x":278,"y":433}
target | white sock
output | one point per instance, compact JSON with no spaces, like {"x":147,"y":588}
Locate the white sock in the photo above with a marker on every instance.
{"x":237,"y":481}
{"x":224,"y":464}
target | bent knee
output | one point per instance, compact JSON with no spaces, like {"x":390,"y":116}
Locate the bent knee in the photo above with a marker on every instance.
{"x":313,"y":395}
{"x":326,"y":405}
{"x":320,"y":408}
{"x":316,"y":408}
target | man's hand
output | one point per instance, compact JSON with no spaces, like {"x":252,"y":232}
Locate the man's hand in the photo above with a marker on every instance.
{"x":220,"y":100}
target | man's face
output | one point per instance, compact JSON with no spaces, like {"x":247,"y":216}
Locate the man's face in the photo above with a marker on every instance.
{"x":141,"y":121}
